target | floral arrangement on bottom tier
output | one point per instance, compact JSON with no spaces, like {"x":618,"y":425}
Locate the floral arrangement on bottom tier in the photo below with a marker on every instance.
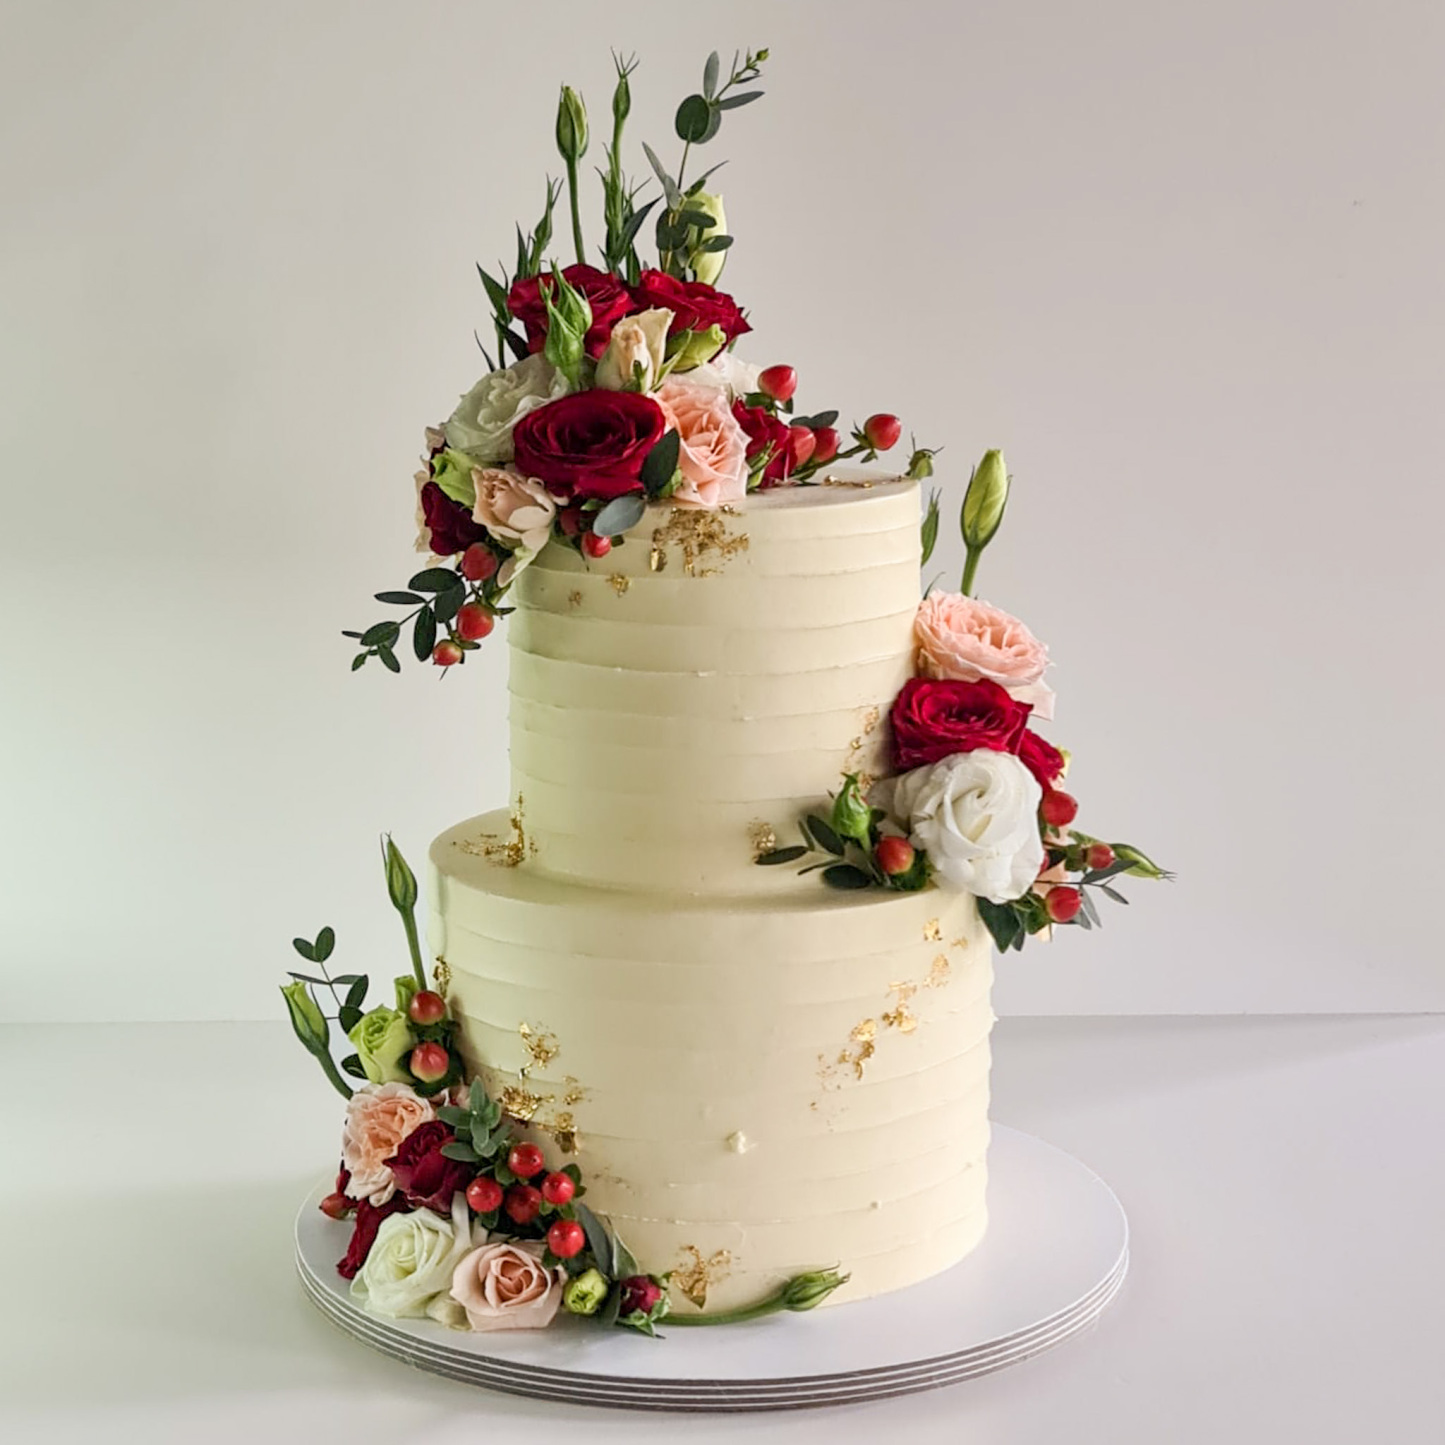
{"x":973,"y":801}
{"x":457,"y":1217}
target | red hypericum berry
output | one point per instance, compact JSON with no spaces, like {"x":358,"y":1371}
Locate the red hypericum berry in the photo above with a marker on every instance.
{"x":778,"y":382}
{"x":1100,"y":855}
{"x":1063,"y":903}
{"x":825,"y":444}
{"x":570,"y":521}
{"x":566,"y":1238}
{"x":596,"y":545}
{"x":427,"y":1007}
{"x":522,"y":1203}
{"x":336,"y":1206}
{"x":474,"y":622}
{"x":429,"y":1062}
{"x":479,"y":563}
{"x":894,"y":855}
{"x":484,"y":1194}
{"x":525,"y":1160}
{"x":882,"y":430}
{"x":446,"y":654}
{"x":1059,"y":809}
{"x":639,"y":1292}
{"x":801,"y":444}
{"x":558,"y":1189}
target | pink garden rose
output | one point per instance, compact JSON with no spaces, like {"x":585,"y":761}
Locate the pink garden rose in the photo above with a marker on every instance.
{"x":965,"y":640}
{"x":506,"y":1287}
{"x":514,"y":509}
{"x":378,"y":1118}
{"x":713,"y":456}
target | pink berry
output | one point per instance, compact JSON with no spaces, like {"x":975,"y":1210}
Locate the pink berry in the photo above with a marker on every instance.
{"x":570,"y":521}
{"x":894,"y":855}
{"x":336,"y":1206}
{"x":566,"y":1238}
{"x":801,"y":444}
{"x":484,"y":1194}
{"x":882,"y":430}
{"x":479,"y":563}
{"x":427,"y":1007}
{"x":429,"y":1062}
{"x":474,"y":622}
{"x":1063,"y":903}
{"x":1100,"y":855}
{"x":639,"y":1292}
{"x":558,"y":1189}
{"x":825,"y":444}
{"x":1059,"y":809}
{"x":596,"y":546}
{"x":778,"y":382}
{"x":446,"y":654}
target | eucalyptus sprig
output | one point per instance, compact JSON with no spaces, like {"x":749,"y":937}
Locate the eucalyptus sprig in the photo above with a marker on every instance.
{"x":435,"y":596}
{"x":309,"y":1021}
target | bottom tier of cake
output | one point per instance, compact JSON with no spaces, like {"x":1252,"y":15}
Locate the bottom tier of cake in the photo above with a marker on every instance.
{"x":752,"y":1087}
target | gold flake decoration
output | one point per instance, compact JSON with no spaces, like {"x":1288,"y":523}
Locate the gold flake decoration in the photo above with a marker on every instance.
{"x":959,"y":943}
{"x":572,"y":1091}
{"x":860,"y":754}
{"x":863,"y":1048}
{"x":763,"y":837}
{"x":933,"y":931}
{"x":540,"y":1045}
{"x":441,"y":976}
{"x":697,"y":534}
{"x":508,"y":852}
{"x":574,"y":599}
{"x":900,"y":1018}
{"x":696,"y":1275}
{"x":563,"y":1131}
{"x":619,"y":583}
{"x":521,"y":1103}
{"x":905,"y":991}
{"x":939,"y":974}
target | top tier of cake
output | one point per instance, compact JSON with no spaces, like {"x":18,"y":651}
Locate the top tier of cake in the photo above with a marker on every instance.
{"x":713,"y":676}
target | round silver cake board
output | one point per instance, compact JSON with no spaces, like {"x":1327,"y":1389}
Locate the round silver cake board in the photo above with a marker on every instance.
{"x":1055,"y":1254}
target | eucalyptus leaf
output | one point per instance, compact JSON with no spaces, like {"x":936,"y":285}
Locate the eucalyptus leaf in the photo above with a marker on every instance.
{"x":710,"y":74}
{"x":356,"y":635}
{"x":1113,"y":893}
{"x":692,"y":120}
{"x":716,"y":243}
{"x":732,"y":102}
{"x":669,"y":186}
{"x":607,"y":1315}
{"x":448,"y":604}
{"x":597,"y":1240}
{"x":307,"y":978}
{"x":622,"y":513}
{"x":455,"y":1116}
{"x":1099,"y":875}
{"x":1088,"y":909}
{"x":818,"y":419}
{"x":624,"y":1266}
{"x":846,"y":876}
{"x":661,"y":463}
{"x":460,"y":1151}
{"x":782,"y":855}
{"x":1001,"y":921}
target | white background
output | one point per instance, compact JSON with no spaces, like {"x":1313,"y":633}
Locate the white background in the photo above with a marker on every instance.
{"x":1181,"y":261}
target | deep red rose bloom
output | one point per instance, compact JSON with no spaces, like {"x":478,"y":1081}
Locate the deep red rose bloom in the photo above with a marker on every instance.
{"x":694,"y":304}
{"x":606,"y":295}
{"x":766,"y":430}
{"x":639,"y":1292}
{"x":589,"y":444}
{"x":1041,"y":758}
{"x":933,"y":719}
{"x":450,"y":524}
{"x":423,"y":1173}
{"x":363,"y":1235}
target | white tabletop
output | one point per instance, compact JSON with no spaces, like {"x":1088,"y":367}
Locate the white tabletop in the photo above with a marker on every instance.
{"x":1284,"y":1179}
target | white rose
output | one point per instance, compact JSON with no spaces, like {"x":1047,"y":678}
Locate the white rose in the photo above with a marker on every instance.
{"x":728,"y":373}
{"x":413,"y":1260}
{"x":482,"y":423}
{"x":639,"y":340}
{"x":976,"y":816}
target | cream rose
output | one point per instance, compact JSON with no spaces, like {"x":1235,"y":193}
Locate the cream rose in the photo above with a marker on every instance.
{"x":636,"y":341}
{"x":482,"y":423}
{"x":506,"y":1287}
{"x":964,"y":639}
{"x":513,"y":508}
{"x":713,"y":455}
{"x":413,"y":1260}
{"x":728,"y":373}
{"x":976,"y":816}
{"x":378,"y":1118}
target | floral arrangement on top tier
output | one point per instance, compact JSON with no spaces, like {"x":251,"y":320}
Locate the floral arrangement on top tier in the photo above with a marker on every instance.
{"x":623,"y":388}
{"x":973,"y":802}
{"x":457,"y":1217}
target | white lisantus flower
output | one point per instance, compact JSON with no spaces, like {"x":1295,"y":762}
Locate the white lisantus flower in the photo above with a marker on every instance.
{"x":482,"y":424}
{"x":413,"y":1260}
{"x":635,"y":351}
{"x":976,"y":816}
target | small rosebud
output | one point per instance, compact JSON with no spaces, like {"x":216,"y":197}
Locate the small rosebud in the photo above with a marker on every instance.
{"x":336,"y":1206}
{"x":778,"y":382}
{"x":807,"y":1291}
{"x":852,"y":817}
{"x":585,"y":1294}
{"x":306,"y":1018}
{"x":621,"y":97}
{"x":882,"y":431}
{"x":400,"y":880}
{"x":571,"y":125}
{"x":569,"y":316}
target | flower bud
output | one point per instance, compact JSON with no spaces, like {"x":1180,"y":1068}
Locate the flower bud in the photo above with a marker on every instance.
{"x":585,"y":1294}
{"x":920,"y":464}
{"x":571,"y":126}
{"x":1141,"y":865}
{"x":306,"y":1018}
{"x":451,"y":470}
{"x":852,"y":817}
{"x":621,"y":98}
{"x":807,"y":1291}
{"x":569,"y":315}
{"x":706,"y":265}
{"x":406,"y":990}
{"x":691,"y":348}
{"x":984,"y":502}
{"x":400,"y":880}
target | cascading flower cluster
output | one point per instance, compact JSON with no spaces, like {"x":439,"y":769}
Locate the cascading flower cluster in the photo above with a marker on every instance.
{"x":622,"y":389}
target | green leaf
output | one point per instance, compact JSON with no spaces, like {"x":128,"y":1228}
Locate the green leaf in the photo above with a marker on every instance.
{"x":823,"y":835}
{"x":1113,"y":893}
{"x":1099,"y":875}
{"x":388,"y":658}
{"x":307,"y":978}
{"x":456,"y":1149}
{"x":628,"y":235}
{"x":821,"y":418}
{"x":1002,"y":923}
{"x":352,"y":1065}
{"x":700,"y":219}
{"x":383,"y":634}
{"x":846,"y":876}
{"x":401,"y":599}
{"x":448,"y":604}
{"x":359,"y":660}
{"x":496,"y":292}
{"x":597,"y":1240}
{"x":693,"y":118}
{"x":457,"y":1117}
{"x":356,"y":994}
{"x":716,"y":243}
{"x":480,"y":1139}
{"x":669,"y":186}
{"x":434,"y":579}
{"x":348,"y":1017}
{"x":356,"y":635}
{"x":623,"y":513}
{"x":1088,"y":910}
{"x":424,"y":634}
{"x":745,"y":97}
{"x":623,"y":1264}
{"x":657,"y":470}
{"x":305,"y":948}
{"x":709,"y":75}
{"x":930,"y":528}
{"x":325,"y":943}
{"x":607,"y":1315}
{"x":782,"y":855}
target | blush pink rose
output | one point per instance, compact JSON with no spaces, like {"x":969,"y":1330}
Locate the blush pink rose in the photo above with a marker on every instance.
{"x":378,"y":1118}
{"x":513,"y":508}
{"x":966,"y":640}
{"x":506,"y":1287}
{"x":713,"y":456}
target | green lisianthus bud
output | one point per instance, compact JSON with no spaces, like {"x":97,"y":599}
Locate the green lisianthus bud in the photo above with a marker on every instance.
{"x":585,"y":1294}
{"x":400,"y":880}
{"x":1142,"y":865}
{"x":382,"y":1039}
{"x":569,"y":315}
{"x":706,"y":265}
{"x":452,"y":471}
{"x":406,"y":990}
{"x":621,"y":98}
{"x":920,"y":464}
{"x":852,"y":817}
{"x":571,"y":125}
{"x":306,"y":1017}
{"x":689,"y":349}
{"x":984,"y":502}
{"x":807,"y":1291}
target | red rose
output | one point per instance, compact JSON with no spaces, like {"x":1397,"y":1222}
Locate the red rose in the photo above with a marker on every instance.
{"x":1041,"y":758}
{"x":363,"y":1236}
{"x":589,"y":444}
{"x":606,"y":295}
{"x":934,"y":718}
{"x":767,"y":431}
{"x":450,"y":524}
{"x":639,"y":1292}
{"x":423,"y":1173}
{"x":694,"y":304}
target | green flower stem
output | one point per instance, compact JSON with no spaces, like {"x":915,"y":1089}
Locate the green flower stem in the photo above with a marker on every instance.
{"x":970,"y":566}
{"x":328,"y":1067}
{"x":413,"y":942}
{"x":576,"y":217}
{"x":741,"y":1315}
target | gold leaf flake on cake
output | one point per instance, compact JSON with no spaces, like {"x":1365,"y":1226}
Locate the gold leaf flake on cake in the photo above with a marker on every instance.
{"x":940,"y":972}
{"x":574,"y":599}
{"x":863,"y":1046}
{"x":763,"y":837}
{"x":563,"y":1130}
{"x":696,"y":1275}
{"x":933,"y":931}
{"x":900,"y":1018}
{"x":863,"y":752}
{"x":697,"y":535}
{"x":521,"y":1103}
{"x":540,"y":1045}
{"x":441,"y":976}
{"x":862,"y":484}
{"x":959,"y":943}
{"x":619,"y":582}
{"x":508,"y":852}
